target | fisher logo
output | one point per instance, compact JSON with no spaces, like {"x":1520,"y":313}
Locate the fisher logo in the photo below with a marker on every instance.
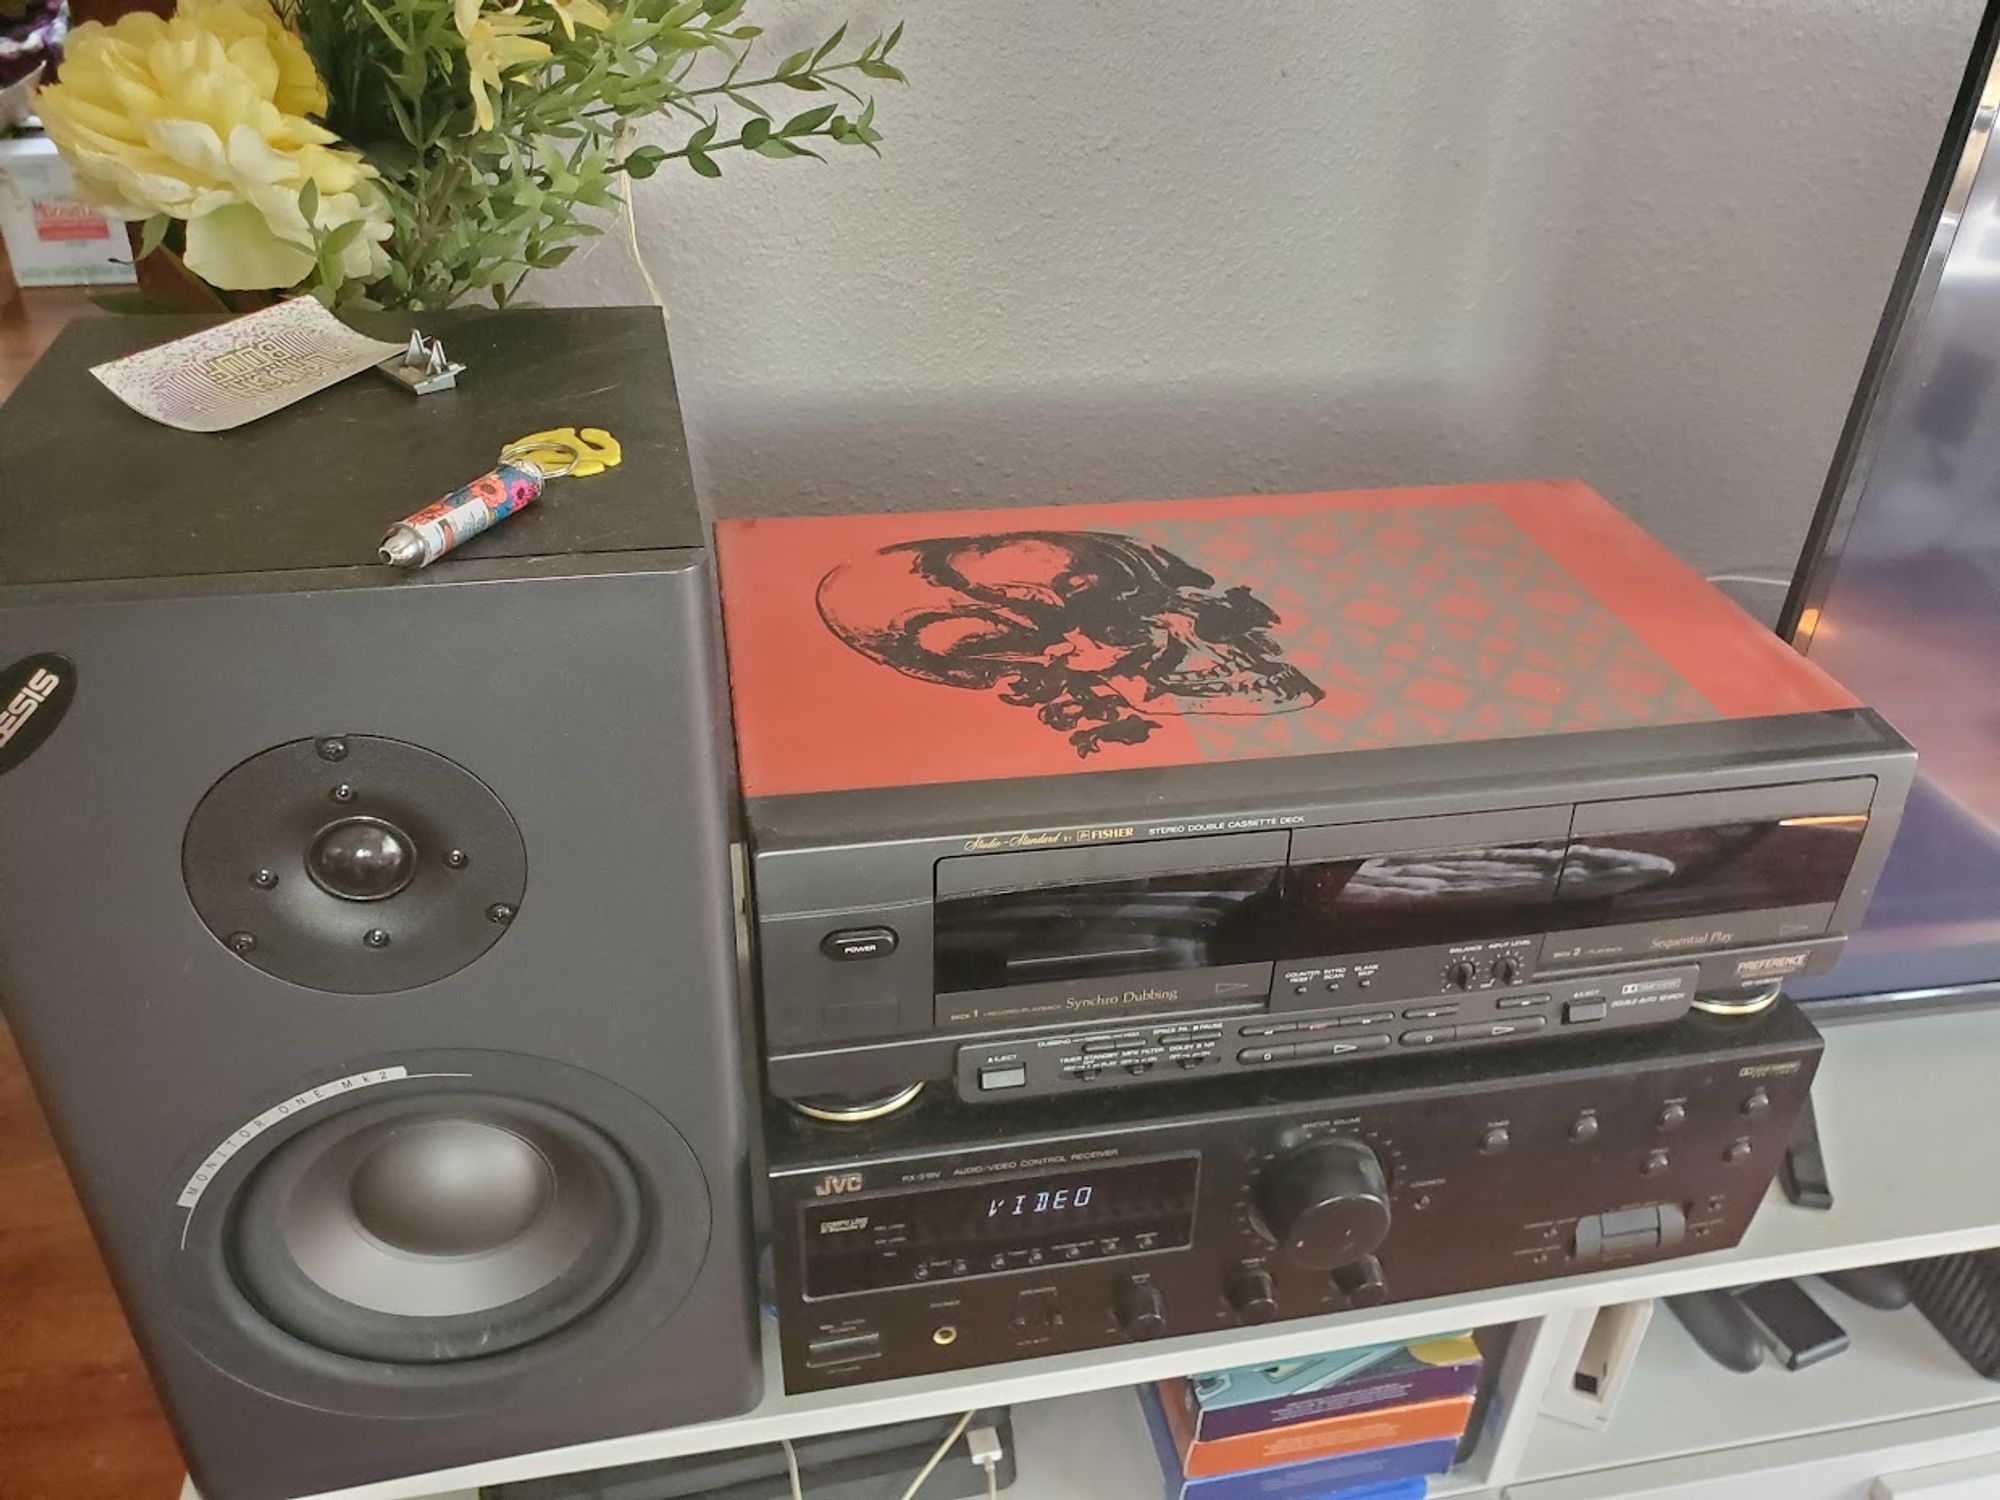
{"x":835,"y":1183}
{"x":35,"y":693}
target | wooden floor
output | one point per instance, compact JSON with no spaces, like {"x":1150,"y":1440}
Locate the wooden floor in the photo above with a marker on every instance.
{"x":78,"y":1420}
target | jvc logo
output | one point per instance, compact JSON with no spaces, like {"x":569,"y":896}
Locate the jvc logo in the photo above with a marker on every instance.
{"x":21,"y":707}
{"x":835,"y":1183}
{"x":35,"y":693}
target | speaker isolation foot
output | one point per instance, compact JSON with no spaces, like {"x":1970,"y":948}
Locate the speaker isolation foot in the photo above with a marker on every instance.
{"x":841,"y":1109}
{"x":1743,"y":1002}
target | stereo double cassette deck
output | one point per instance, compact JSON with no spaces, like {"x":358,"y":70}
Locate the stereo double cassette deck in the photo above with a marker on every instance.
{"x":1049,"y":800}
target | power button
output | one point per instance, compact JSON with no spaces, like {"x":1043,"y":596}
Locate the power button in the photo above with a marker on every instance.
{"x":850,"y":943}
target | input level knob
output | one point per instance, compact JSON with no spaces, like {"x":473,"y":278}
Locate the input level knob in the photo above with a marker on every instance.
{"x":1462,"y":974}
{"x":1252,"y":1295}
{"x":1139,"y":1308}
{"x":1327,"y":1203}
{"x":1506,"y":970}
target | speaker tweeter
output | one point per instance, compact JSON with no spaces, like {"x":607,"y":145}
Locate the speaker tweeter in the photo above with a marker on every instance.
{"x":354,"y":864}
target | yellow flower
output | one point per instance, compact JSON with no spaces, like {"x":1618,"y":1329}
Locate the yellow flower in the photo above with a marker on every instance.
{"x":204,"y":118}
{"x":574,"y":13}
{"x":493,"y":44}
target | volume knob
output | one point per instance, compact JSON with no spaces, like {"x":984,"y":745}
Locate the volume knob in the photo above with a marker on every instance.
{"x":1139,"y":1308}
{"x":1327,"y":1204}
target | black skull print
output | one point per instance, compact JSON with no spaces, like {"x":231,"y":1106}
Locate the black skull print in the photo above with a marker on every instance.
{"x":1098,"y":633}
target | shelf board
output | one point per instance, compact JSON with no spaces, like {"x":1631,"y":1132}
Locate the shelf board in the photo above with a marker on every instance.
{"x":1681,"y":1402}
{"x":1899,"y":1099}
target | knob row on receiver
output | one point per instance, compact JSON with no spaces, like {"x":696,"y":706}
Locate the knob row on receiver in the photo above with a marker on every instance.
{"x":1251,"y":1291}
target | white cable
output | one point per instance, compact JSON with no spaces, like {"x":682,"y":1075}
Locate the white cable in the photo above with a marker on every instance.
{"x":1775,"y":583}
{"x":938,"y":1457}
{"x":792,"y":1468}
{"x":631,"y":217}
{"x":983,"y":1444}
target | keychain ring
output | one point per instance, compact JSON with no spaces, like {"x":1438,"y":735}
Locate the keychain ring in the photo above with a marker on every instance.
{"x":519,"y":452}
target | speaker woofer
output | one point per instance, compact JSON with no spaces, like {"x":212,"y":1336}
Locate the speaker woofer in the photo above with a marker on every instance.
{"x":426,"y":1231}
{"x":436,"y":1179}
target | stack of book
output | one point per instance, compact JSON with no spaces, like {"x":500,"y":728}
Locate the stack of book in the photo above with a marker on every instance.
{"x":1362,"y":1424}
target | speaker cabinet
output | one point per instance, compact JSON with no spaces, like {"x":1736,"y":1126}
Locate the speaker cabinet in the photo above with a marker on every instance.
{"x":370,"y":935}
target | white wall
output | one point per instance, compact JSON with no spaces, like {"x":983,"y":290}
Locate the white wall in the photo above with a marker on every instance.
{"x":1126,"y":248}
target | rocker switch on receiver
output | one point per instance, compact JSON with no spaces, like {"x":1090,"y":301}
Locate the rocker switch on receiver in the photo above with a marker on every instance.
{"x":1630,"y":1230}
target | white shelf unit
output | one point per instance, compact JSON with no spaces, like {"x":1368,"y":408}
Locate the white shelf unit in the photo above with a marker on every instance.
{"x":1905,"y":1104}
{"x":1681,"y":1402}
{"x":1681,"y":1415}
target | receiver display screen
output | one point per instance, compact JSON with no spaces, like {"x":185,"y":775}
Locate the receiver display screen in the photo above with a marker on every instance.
{"x":1102,"y":928}
{"x":989,"y":1225}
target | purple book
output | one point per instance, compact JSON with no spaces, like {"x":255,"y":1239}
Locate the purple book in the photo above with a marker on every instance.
{"x":1256,"y":1398}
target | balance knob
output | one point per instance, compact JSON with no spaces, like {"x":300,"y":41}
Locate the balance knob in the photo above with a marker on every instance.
{"x":1327,"y":1203}
{"x":1462,"y":974}
{"x":1252,"y":1295}
{"x":1362,"y":1283}
{"x":1139,"y":1308}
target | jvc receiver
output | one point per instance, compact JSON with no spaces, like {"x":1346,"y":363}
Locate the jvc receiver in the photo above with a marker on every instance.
{"x":953,"y":1236}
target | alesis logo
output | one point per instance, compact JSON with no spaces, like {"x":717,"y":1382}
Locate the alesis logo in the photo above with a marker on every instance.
{"x":835,"y":1183}
{"x":35,"y":693}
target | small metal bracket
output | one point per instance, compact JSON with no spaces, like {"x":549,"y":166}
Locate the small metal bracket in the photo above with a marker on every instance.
{"x":422,"y":368}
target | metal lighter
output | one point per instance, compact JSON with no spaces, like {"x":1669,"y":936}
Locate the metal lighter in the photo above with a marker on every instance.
{"x":512,"y":484}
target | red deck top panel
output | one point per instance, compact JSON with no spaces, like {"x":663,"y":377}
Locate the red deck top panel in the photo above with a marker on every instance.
{"x":901,"y":650}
